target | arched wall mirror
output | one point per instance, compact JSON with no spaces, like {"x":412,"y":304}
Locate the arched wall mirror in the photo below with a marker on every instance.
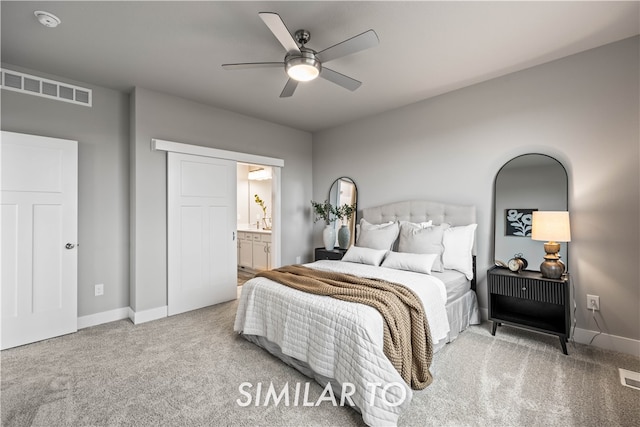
{"x":344,"y":191}
{"x":526,"y":183}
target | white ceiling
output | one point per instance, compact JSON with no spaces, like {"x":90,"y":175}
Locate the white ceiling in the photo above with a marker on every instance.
{"x":426,"y":48}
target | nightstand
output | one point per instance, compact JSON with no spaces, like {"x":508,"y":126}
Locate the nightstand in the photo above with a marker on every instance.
{"x":334,"y":254}
{"x":528,"y":300}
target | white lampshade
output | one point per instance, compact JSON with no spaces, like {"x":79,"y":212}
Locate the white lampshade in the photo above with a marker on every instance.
{"x":551,"y":226}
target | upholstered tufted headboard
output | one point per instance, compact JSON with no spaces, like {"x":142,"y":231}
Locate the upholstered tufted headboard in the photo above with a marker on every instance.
{"x":421,"y":210}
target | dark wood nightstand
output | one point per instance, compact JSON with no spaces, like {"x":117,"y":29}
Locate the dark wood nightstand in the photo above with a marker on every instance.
{"x":334,"y":254}
{"x":528,"y":300}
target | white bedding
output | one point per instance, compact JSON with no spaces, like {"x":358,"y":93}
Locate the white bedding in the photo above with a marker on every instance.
{"x":339,"y":339}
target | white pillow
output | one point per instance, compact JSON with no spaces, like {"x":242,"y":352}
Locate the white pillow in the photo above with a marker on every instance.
{"x":420,"y":263}
{"x":364,"y":255}
{"x":417,"y":240}
{"x":458,"y":247}
{"x":377,"y":236}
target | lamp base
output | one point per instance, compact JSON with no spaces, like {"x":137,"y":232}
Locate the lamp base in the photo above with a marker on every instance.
{"x":552,"y":269}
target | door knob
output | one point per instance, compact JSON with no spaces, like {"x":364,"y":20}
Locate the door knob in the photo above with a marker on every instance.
{"x":69,"y":246}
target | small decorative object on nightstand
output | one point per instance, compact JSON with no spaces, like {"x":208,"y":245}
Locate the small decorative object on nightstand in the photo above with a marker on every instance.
{"x":529,"y":300}
{"x":334,"y":254}
{"x":517,"y":263}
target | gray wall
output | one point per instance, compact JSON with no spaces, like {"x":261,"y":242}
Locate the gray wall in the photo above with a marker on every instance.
{"x":156,"y":115}
{"x":103,"y":180}
{"x":583,"y":110}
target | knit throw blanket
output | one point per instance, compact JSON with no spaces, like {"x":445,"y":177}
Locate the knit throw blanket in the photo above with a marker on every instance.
{"x":407,"y":339}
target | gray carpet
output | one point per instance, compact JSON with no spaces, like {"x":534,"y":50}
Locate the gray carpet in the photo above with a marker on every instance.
{"x":186,"y":370}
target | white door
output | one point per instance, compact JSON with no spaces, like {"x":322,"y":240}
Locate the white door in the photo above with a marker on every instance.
{"x":201,"y":217}
{"x":38,"y":230}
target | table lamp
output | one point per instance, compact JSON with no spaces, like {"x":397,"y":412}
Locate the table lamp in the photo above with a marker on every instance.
{"x":552,"y":227}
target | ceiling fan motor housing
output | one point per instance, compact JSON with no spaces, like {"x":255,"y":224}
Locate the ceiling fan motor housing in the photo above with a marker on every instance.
{"x":306,"y":63}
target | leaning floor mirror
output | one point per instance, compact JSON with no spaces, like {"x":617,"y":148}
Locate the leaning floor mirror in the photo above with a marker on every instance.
{"x":527,"y":183}
{"x":342,"y":192}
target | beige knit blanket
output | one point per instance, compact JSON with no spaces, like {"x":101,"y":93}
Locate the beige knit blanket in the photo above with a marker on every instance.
{"x":407,"y":339}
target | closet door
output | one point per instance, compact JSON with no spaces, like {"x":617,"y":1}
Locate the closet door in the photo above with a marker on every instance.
{"x":39,"y":233}
{"x":201,"y":218}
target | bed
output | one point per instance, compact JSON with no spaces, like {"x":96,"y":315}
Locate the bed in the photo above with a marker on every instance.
{"x":339,"y":342}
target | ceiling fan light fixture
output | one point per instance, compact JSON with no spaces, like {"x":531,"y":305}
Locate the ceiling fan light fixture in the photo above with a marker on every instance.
{"x":303,"y":72}
{"x":303,"y":68}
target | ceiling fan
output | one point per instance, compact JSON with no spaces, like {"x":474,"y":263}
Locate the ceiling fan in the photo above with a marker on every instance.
{"x":303,"y":64}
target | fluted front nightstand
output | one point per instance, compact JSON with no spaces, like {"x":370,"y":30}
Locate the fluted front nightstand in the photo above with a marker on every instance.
{"x":528,"y":300}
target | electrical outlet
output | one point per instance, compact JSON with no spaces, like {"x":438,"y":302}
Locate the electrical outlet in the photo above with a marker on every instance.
{"x":298,"y":259}
{"x":99,"y":289}
{"x":593,"y":302}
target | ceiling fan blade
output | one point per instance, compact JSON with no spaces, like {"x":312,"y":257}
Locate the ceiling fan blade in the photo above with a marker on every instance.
{"x":289,"y":88}
{"x":277,"y":27}
{"x":340,"y":79}
{"x":247,"y":65}
{"x":354,"y":44}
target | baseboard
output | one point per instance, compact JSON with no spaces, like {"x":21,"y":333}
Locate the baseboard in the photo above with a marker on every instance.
{"x":608,"y":342}
{"x":103,"y":317}
{"x":122,"y":313}
{"x":605,"y":341}
{"x":138,"y":317}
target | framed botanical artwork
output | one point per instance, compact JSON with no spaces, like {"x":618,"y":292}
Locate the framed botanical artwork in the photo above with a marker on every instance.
{"x":518,"y":222}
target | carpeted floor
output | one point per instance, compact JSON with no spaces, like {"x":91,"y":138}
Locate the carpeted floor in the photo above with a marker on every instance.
{"x":186,"y":370}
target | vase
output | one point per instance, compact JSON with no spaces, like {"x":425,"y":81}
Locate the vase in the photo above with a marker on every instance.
{"x":329,"y":237}
{"x":266,"y":223}
{"x":344,"y":235}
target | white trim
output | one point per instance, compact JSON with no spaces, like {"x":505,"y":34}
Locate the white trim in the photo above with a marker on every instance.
{"x":198,"y":150}
{"x":138,"y":317}
{"x":608,"y":342}
{"x":276,"y":199}
{"x":103,"y":317}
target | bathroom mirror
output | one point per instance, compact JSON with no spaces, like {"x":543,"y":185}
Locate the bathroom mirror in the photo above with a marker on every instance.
{"x":344,"y":191}
{"x":524,"y":184}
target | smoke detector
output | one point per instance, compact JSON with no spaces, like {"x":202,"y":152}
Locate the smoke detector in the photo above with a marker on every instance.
{"x":47,"y":19}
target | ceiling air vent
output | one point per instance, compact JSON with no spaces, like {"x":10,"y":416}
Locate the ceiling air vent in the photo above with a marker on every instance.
{"x":33,"y":85}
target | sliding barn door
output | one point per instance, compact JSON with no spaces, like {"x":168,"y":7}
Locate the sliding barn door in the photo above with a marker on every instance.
{"x":39,"y":232}
{"x":201,"y":216}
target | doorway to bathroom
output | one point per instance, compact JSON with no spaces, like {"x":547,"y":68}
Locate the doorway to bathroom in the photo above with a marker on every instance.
{"x":255,"y":213}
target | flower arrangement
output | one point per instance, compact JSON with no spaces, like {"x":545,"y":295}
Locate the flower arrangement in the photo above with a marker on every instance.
{"x":324,"y":211}
{"x":344,"y":212}
{"x":260,"y":203}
